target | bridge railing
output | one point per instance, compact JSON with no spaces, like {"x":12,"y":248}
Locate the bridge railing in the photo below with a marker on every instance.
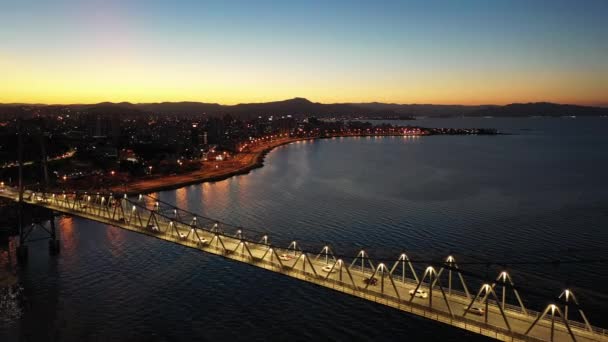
{"x":393,"y":301}
{"x":439,"y":315}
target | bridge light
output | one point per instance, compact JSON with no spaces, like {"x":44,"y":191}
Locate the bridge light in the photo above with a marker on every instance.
{"x":429,"y":269}
{"x":567,"y":293}
{"x":553,"y":307}
{"x":503,"y":275}
{"x":450,"y":258}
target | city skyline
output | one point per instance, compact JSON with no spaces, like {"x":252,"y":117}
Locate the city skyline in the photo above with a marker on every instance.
{"x":470,"y":52}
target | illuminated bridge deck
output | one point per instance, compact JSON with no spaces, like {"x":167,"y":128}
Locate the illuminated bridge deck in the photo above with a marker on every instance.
{"x":146,"y":215}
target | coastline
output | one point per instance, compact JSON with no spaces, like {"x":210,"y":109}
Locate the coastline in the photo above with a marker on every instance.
{"x":241,"y":164}
{"x":245,"y":162}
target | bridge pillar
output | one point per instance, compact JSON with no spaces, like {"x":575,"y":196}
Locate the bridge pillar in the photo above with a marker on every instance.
{"x":22,"y":254}
{"x":54,"y":245}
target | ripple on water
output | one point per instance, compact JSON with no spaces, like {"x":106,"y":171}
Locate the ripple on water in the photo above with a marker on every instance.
{"x":517,"y":197}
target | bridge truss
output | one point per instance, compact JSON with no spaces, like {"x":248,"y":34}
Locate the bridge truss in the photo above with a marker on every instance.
{"x":398,"y":286}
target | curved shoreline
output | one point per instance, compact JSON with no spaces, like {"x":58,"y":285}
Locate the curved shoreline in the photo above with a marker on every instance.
{"x":145,"y":186}
{"x":140,"y":187}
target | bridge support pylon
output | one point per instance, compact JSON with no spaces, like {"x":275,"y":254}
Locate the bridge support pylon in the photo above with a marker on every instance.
{"x":22,"y":250}
{"x":24,"y":232}
{"x":54,"y":244}
{"x":22,"y":253}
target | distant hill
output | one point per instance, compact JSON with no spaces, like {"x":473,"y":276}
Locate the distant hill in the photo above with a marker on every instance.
{"x":299,"y":107}
{"x":180,"y":107}
{"x":425,"y":109}
{"x":295,"y":107}
{"x":541,"y":109}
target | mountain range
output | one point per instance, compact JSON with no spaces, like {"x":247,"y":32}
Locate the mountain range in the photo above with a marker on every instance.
{"x":298,"y":107}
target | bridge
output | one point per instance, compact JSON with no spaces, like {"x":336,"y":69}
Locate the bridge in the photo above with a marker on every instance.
{"x":396,"y":283}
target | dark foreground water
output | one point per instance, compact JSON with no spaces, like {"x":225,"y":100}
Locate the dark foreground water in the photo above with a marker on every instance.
{"x":537,"y":195}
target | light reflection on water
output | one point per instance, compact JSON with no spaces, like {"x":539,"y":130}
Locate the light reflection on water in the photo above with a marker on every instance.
{"x":11,"y":307}
{"x":537,"y":194}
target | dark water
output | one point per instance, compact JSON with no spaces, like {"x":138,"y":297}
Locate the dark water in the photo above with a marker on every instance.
{"x":537,"y":195}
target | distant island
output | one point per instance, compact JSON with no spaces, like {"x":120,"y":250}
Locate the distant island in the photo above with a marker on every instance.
{"x":301,"y":107}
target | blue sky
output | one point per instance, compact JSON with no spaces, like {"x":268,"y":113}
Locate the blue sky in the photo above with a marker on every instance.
{"x":329,"y":51}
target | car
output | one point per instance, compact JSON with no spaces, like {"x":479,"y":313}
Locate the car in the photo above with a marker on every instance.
{"x":329,"y":268}
{"x":476,"y":310}
{"x":371,"y":281}
{"x":419,"y":293}
{"x":286,"y":257}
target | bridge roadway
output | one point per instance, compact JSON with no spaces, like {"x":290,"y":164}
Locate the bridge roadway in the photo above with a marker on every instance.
{"x":391,"y":290}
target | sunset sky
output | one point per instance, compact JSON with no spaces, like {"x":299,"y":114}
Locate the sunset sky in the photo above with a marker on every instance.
{"x":229,"y":51}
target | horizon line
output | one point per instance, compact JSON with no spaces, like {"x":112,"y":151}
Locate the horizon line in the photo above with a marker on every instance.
{"x":600,"y":105}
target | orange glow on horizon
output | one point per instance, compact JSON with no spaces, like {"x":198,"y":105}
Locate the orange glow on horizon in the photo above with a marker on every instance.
{"x":91,"y":51}
{"x":66,"y":83}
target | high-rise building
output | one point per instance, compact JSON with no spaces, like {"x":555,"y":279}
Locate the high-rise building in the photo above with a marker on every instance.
{"x":215,"y":131}
{"x":102,"y":126}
